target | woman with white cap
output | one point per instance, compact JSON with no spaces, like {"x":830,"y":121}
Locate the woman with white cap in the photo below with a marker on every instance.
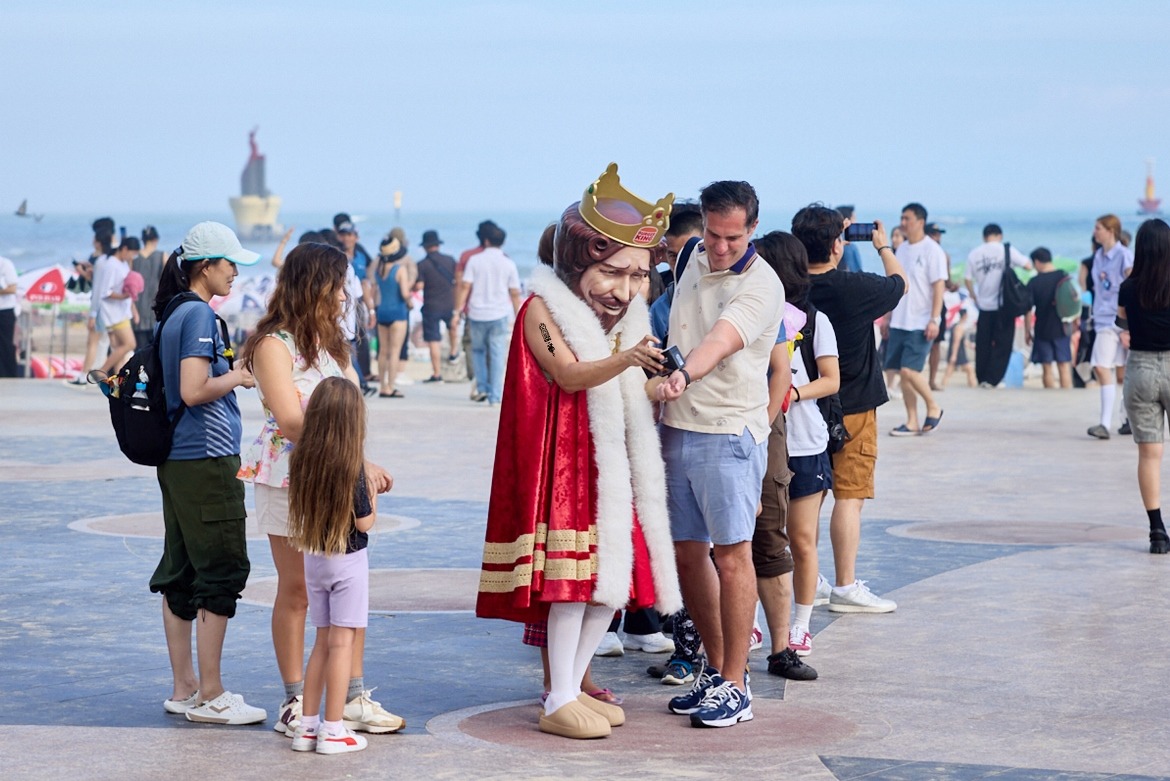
{"x":204,"y":564}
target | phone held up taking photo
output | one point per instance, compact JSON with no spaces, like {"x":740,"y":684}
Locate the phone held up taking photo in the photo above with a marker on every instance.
{"x":860,"y":231}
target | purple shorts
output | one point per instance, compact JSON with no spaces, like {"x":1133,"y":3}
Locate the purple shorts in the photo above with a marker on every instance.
{"x":339,"y":589}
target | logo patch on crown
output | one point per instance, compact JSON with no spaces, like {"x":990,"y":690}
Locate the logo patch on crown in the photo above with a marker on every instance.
{"x":614,"y":211}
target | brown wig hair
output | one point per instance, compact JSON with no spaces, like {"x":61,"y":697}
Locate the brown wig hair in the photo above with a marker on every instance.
{"x":325,"y":467}
{"x":577,"y":246}
{"x":1151,"y":265}
{"x":305,"y":304}
{"x":544,"y":248}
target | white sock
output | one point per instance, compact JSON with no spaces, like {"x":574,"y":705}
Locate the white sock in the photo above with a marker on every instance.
{"x":801,"y":616}
{"x":311,"y":723}
{"x":564,"y":636}
{"x":594,"y":625}
{"x":332,"y":727}
{"x":1108,"y":394}
{"x":845,"y":589}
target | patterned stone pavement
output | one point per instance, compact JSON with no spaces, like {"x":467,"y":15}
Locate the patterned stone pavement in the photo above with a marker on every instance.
{"x":1028,"y":643}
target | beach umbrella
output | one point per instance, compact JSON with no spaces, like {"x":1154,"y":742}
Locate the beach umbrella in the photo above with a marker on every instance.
{"x":40,"y":286}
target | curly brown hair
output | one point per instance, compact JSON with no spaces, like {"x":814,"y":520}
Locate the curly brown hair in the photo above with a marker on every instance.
{"x":305,"y":304}
{"x":577,"y":246}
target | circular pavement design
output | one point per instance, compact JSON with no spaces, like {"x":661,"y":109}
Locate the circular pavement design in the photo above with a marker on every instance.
{"x":1018,"y":532}
{"x":649,"y":729}
{"x":150,"y":525}
{"x":399,"y":590}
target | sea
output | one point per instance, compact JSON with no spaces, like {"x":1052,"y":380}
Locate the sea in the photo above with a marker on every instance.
{"x":62,"y":238}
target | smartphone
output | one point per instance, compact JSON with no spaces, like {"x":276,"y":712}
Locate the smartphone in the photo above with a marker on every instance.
{"x":672,"y":361}
{"x":860,"y":231}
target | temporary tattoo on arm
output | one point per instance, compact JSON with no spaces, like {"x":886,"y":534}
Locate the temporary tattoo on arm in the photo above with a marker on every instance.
{"x":547,"y":339}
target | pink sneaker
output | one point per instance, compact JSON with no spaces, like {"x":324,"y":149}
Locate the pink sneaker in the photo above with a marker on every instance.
{"x":757,"y":640}
{"x":800,"y":641}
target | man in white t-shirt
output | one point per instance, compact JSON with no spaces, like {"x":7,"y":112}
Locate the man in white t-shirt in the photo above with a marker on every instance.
{"x":7,"y":318}
{"x":724,"y":319}
{"x":490,"y":288}
{"x":994,"y":333}
{"x":914,"y":323}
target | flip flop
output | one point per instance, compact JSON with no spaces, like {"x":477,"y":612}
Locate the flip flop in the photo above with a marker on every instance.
{"x":605,"y":695}
{"x":930,"y":424}
{"x":903,"y":431}
{"x":395,"y":394}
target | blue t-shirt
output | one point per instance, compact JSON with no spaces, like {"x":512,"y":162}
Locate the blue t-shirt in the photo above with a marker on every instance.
{"x":660,"y":315}
{"x":210,"y":430}
{"x":361,"y":261}
{"x":851,"y":260}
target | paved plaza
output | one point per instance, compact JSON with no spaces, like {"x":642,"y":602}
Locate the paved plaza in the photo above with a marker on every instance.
{"x":1030,"y":641}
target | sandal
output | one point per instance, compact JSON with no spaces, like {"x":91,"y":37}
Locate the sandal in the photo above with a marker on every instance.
{"x":903,"y":431}
{"x":605,"y":695}
{"x":931,"y":423}
{"x":394,"y":394}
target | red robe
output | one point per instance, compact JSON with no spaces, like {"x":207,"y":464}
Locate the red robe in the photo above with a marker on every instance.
{"x":541,"y":541}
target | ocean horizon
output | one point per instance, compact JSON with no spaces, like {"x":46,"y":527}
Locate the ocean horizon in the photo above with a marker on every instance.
{"x":62,"y":238}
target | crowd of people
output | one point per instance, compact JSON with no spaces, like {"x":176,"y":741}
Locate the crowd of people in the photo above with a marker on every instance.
{"x":681,"y":392}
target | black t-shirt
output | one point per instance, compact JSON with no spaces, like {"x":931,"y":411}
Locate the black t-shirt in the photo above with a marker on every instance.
{"x":437,"y":273}
{"x":1043,"y":290}
{"x":852,"y":301}
{"x":361,"y":508}
{"x":1148,"y":331}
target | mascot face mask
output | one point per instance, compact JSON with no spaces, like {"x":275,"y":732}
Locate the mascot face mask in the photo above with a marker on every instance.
{"x":606,"y":243}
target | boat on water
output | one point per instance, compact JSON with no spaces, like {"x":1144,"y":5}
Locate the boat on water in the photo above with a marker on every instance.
{"x":256,"y":209}
{"x":1150,"y":204}
{"x":22,"y":211}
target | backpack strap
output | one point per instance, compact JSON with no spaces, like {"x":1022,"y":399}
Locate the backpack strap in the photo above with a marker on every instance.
{"x":182,"y":298}
{"x":808,"y":334}
{"x":684,"y":258}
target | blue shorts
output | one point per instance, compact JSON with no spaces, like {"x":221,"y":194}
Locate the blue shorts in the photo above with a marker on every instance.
{"x":906,"y":349}
{"x":1051,"y":351}
{"x":810,"y":475}
{"x":713,"y":484}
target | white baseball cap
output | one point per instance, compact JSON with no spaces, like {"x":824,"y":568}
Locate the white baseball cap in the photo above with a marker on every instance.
{"x":214,"y":240}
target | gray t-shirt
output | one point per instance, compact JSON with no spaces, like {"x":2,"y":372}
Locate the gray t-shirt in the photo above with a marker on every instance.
{"x":150,"y":267}
{"x":437,"y":273}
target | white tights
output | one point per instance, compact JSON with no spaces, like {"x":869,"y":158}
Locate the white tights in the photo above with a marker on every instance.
{"x":574,"y":632}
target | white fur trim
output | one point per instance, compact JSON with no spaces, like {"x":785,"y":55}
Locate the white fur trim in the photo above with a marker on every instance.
{"x":625,"y":440}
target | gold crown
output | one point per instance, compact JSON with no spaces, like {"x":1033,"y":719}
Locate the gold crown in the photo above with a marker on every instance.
{"x":617,"y":213}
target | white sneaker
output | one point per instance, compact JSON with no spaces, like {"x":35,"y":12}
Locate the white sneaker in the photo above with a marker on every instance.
{"x":227,"y":708}
{"x":290,"y":715}
{"x":368,"y":715}
{"x":824,"y":589}
{"x":859,"y":599}
{"x":611,"y":645}
{"x":181,"y":706}
{"x":341,"y":743}
{"x":655,"y":643}
{"x":304,"y":739}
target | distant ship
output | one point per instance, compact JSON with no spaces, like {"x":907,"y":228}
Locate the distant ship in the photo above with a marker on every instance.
{"x":256,"y":209}
{"x":22,"y":211}
{"x":1150,"y":204}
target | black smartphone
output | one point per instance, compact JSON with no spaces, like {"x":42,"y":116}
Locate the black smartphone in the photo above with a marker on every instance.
{"x":860,"y":231}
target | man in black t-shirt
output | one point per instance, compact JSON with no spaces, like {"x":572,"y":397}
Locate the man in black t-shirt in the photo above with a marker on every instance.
{"x":851,"y":301}
{"x":1049,"y":340}
{"x":436,"y":278}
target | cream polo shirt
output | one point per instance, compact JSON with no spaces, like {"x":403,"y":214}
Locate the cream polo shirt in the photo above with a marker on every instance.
{"x":734,"y":394}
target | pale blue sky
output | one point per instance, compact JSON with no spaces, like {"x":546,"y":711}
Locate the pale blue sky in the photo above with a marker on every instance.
{"x":145,"y":106}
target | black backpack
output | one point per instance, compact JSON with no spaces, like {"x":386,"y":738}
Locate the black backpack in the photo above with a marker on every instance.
{"x":830,"y":406}
{"x":138,"y":400}
{"x":1014,"y":298}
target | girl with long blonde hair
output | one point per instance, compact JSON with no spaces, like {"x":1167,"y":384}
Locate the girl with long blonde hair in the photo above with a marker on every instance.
{"x":331,"y":509}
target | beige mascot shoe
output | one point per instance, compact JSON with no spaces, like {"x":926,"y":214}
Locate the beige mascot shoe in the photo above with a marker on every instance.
{"x":611,"y":713}
{"x":575,"y":721}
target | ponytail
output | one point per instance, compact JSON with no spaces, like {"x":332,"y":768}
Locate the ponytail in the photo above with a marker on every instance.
{"x":175,"y":279}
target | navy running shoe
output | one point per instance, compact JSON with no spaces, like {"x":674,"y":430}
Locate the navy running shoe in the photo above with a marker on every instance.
{"x":689,"y":703}
{"x":723,"y":706}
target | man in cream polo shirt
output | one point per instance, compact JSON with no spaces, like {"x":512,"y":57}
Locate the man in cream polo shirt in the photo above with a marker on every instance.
{"x":724,"y":318}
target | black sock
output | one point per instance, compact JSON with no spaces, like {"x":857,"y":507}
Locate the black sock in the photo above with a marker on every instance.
{"x":1156,"y":520}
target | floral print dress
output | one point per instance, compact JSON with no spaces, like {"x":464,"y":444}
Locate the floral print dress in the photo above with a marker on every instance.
{"x":266,"y":461}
